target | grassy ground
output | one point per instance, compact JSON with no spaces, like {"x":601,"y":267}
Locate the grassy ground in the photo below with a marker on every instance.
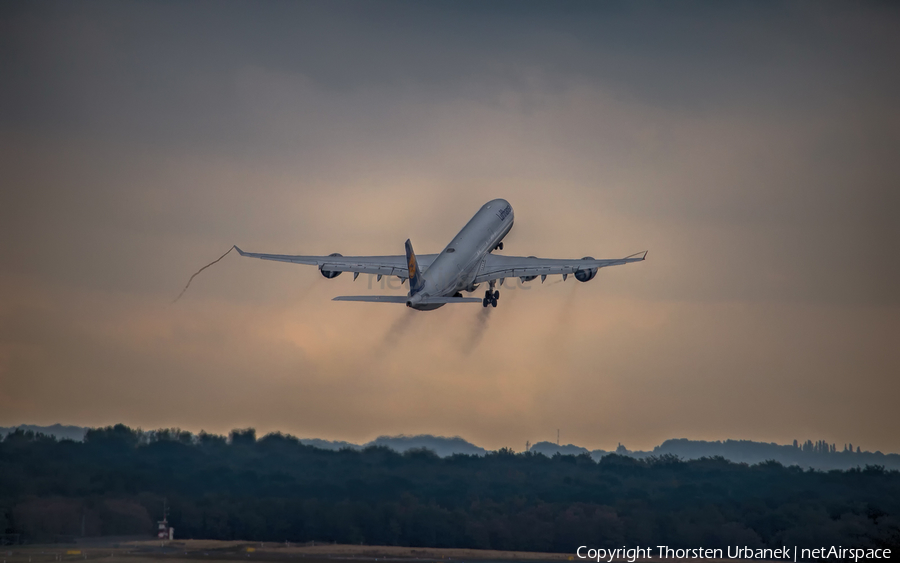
{"x":212,"y":551}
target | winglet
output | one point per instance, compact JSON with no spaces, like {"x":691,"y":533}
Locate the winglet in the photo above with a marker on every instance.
{"x":634,"y":257}
{"x":241,"y":252}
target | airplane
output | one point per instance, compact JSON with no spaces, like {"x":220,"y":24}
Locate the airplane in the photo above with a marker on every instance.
{"x":436,"y":280}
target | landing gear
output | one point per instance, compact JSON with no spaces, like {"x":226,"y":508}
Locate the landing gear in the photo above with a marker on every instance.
{"x":499,"y":246}
{"x":490,"y":296}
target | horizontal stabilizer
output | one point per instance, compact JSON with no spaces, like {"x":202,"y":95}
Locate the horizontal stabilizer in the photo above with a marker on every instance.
{"x":374,"y":298}
{"x":451,"y":300}
{"x":404,"y":299}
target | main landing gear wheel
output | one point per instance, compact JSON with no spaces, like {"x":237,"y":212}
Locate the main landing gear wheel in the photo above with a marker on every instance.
{"x":490,"y":298}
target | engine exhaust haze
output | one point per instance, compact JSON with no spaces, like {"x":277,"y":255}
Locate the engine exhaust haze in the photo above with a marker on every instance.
{"x":477,"y":333}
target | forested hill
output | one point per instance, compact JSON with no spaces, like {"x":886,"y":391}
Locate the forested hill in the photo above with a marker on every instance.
{"x":809,"y":454}
{"x":277,"y":489}
{"x":815,"y":455}
{"x":58,"y":431}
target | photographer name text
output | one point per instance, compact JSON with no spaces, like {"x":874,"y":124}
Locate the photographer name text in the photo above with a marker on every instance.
{"x":785,"y":553}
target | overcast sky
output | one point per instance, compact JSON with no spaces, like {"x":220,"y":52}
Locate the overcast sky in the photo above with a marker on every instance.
{"x":751,"y":147}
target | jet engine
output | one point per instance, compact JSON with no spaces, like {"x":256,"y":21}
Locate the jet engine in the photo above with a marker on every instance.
{"x":332,"y":274}
{"x":586,"y":275}
{"x":524,"y":279}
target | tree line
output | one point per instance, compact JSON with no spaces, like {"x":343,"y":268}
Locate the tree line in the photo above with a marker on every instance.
{"x":277,"y":489}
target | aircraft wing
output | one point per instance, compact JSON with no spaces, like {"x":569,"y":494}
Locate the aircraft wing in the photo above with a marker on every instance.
{"x":498,"y":266}
{"x":382,"y":265}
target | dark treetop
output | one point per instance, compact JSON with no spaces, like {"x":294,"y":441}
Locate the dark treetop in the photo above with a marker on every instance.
{"x":277,"y":489}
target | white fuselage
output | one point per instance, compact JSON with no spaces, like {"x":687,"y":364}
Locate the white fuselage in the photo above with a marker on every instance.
{"x":456,"y":267}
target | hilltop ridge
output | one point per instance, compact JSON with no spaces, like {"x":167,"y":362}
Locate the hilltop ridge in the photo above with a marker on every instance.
{"x":808,"y":455}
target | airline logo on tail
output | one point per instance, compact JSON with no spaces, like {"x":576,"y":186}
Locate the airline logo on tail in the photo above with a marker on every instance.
{"x":415,"y":280}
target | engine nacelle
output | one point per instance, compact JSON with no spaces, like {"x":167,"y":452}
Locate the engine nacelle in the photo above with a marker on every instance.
{"x":586,"y":275}
{"x":527,"y":278}
{"x":330,"y":274}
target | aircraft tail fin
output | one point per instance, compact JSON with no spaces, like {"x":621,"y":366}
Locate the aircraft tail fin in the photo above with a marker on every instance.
{"x":415,"y":276}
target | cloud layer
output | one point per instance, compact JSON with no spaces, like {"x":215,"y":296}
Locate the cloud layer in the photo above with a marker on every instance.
{"x":750,"y":148}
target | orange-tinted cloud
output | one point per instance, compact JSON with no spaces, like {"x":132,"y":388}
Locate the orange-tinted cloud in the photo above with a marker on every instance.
{"x":759,"y":175}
